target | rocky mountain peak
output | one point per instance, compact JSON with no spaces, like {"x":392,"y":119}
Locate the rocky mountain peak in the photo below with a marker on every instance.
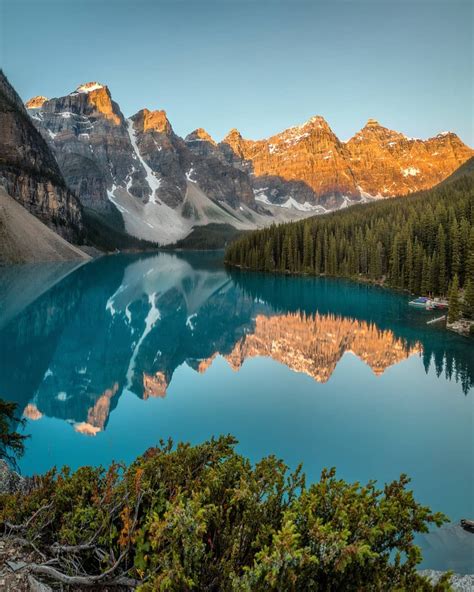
{"x":93,"y":97}
{"x":157,"y":121}
{"x":313,"y":127}
{"x":317,"y":121}
{"x":373,"y":131}
{"x":200,"y":135}
{"x":233,"y":135}
{"x":36,"y":102}
{"x":372,"y":123}
{"x":89,"y":87}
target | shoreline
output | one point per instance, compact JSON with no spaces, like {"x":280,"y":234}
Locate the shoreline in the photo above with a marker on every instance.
{"x":461,"y":327}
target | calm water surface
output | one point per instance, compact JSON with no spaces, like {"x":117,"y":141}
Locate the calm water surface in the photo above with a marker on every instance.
{"x":106,"y":359}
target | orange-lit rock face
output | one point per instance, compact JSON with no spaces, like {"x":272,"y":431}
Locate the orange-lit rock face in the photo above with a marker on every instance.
{"x":35,"y":102}
{"x":388,"y":163}
{"x":310,"y":152}
{"x":376,"y":161}
{"x":98,"y":414}
{"x":101,"y":100}
{"x":32,"y":412}
{"x":157,"y":121}
{"x":154,"y":385}
{"x":314,"y":345}
{"x":200,"y":134}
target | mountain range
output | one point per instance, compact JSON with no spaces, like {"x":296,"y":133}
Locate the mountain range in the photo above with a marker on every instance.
{"x":77,"y":158}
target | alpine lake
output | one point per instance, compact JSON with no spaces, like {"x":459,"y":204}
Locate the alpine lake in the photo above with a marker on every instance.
{"x":108,"y":358}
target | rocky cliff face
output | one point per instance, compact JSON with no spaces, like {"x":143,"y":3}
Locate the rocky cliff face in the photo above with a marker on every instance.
{"x":90,"y":138}
{"x":164,"y":185}
{"x":387,"y":163}
{"x":28,"y":169}
{"x":217,"y":177}
{"x":310,"y":164}
{"x":310,"y":157}
{"x":161,"y":184}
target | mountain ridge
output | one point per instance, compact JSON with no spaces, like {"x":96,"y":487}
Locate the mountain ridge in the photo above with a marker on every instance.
{"x":164,"y":185}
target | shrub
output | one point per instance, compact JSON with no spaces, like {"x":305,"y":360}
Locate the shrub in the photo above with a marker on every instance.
{"x":204,"y":518}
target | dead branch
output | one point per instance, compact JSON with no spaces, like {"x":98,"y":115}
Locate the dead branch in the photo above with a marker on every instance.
{"x":100,"y":580}
{"x":30,"y":519}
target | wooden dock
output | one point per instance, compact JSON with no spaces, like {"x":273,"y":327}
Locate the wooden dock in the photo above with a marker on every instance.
{"x":437,"y":320}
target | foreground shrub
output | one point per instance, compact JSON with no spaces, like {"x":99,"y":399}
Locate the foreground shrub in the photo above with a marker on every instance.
{"x":204,"y":518}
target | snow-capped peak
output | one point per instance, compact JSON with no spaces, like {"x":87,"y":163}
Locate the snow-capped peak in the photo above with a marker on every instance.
{"x":36,"y":102}
{"x":89,"y":87}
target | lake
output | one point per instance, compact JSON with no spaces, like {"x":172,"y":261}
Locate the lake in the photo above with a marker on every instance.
{"x":107,"y":358}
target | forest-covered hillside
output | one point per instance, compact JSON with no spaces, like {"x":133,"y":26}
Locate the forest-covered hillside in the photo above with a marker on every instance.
{"x":419,"y":243}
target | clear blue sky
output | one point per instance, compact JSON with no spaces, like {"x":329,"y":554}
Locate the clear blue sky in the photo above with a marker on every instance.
{"x":257,"y":65}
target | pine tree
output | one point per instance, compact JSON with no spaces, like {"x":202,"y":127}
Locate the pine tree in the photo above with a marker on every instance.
{"x":308,"y":249}
{"x":454,"y":305}
{"x":455,"y":248}
{"x":395,"y":262}
{"x":268,"y":256}
{"x":441,"y":264}
{"x":468,"y":305}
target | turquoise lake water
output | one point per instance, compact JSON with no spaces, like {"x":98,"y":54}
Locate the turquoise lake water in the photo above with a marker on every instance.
{"x":106,"y":359}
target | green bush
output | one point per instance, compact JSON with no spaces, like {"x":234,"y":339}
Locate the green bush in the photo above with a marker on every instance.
{"x":204,"y":518}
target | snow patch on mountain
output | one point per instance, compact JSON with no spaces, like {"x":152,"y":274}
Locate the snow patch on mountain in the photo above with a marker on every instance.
{"x":290,"y":203}
{"x":89,"y":87}
{"x":153,"y":182}
{"x":410,"y":171}
{"x":189,"y":177}
{"x":302,"y":207}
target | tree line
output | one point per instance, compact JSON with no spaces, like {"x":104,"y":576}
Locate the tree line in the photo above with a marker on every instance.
{"x":422,"y":243}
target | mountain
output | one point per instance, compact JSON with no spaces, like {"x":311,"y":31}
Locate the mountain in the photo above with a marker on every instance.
{"x":309,"y":164}
{"x":160,"y":184}
{"x":387,"y":163}
{"x":163,"y":186}
{"x":28,"y":169}
{"x":25,"y":239}
{"x":306,"y":163}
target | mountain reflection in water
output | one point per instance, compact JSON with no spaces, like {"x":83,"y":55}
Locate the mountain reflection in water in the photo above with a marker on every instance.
{"x":130,"y":322}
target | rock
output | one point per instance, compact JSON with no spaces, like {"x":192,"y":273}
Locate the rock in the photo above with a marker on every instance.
{"x":35,"y":102}
{"x":37,"y":586}
{"x":29,"y":171}
{"x":16,"y":565}
{"x":376,"y":162}
{"x":10,"y":480}
{"x":459,"y":583}
{"x":310,"y":154}
{"x":89,"y":136}
{"x":462,"y":326}
{"x":387,"y":163}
